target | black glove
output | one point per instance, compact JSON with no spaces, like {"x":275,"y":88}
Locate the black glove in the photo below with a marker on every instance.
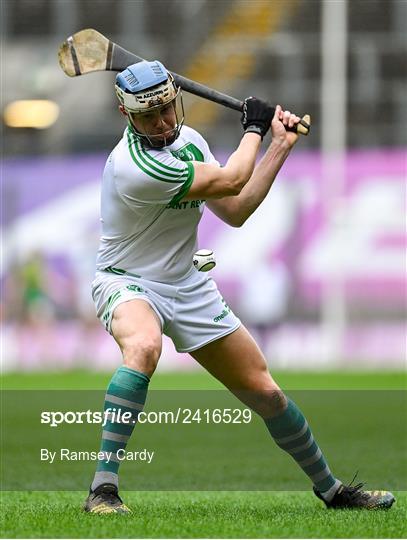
{"x":257,"y":116}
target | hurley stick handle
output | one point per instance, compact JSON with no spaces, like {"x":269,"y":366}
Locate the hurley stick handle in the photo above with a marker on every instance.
{"x":88,"y":50}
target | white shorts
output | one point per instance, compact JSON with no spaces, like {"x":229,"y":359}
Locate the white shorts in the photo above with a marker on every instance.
{"x":191,"y":311}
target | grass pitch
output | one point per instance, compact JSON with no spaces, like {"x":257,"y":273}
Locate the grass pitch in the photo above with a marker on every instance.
{"x":197,"y":515}
{"x":203,"y":514}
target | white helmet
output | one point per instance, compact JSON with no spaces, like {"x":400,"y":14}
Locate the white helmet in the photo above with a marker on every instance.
{"x":147,"y":86}
{"x":144,"y":86}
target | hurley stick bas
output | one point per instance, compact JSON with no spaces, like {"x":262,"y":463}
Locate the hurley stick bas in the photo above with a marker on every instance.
{"x":88,"y":50}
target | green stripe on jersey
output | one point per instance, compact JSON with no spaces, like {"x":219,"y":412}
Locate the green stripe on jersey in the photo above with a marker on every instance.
{"x":156,"y":161}
{"x":149,"y":156}
{"x":136,"y":158}
{"x":185,"y":188}
{"x":146,"y":158}
{"x":119,"y":271}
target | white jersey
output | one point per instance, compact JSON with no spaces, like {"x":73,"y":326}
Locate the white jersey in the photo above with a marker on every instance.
{"x":147,"y":229}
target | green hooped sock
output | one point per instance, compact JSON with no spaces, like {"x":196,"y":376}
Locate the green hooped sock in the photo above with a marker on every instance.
{"x":127,"y":391}
{"x":291,"y":433}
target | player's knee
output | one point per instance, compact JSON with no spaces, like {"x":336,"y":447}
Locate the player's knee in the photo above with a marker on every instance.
{"x":142,"y":354}
{"x":267,"y":397}
{"x":268,"y":403}
{"x":277,"y":403}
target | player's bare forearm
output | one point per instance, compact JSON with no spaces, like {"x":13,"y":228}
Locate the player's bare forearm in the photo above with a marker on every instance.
{"x":214,"y":182}
{"x":236,"y":210}
{"x":242,"y":161}
{"x":264,"y":174}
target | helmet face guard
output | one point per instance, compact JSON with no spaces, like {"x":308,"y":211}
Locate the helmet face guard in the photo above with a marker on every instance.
{"x":147,"y":88}
{"x":164,"y":137}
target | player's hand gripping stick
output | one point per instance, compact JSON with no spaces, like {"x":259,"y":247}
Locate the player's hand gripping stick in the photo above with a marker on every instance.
{"x":257,"y":115}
